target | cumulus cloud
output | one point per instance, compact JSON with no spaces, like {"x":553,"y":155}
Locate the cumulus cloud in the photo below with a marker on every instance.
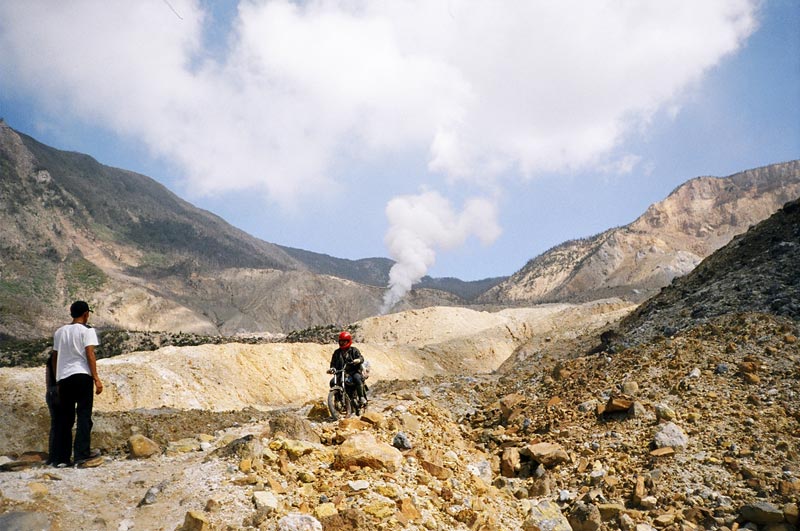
{"x":483,"y":90}
{"x":484,"y":87}
{"x":422,"y":224}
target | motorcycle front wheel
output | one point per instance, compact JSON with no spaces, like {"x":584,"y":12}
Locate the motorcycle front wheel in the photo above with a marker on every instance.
{"x":339,"y":404}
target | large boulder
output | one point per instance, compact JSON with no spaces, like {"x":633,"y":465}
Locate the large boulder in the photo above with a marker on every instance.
{"x":361,"y":449}
{"x":762,"y":513}
{"x":546,"y":454}
{"x":546,"y":516}
{"x":585,"y":517}
{"x":670,"y":435}
{"x":140,"y":446}
{"x":247,"y":447}
{"x":293,"y":427}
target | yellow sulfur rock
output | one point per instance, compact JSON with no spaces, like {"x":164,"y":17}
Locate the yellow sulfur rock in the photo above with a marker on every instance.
{"x":381,"y":509}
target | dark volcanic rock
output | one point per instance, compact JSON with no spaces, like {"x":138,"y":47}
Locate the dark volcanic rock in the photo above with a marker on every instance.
{"x":758,"y":271}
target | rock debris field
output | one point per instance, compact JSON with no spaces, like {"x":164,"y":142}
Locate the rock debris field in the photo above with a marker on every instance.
{"x":696,"y":431}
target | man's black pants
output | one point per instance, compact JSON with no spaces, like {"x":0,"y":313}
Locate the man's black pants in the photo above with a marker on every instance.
{"x":358,"y":379}
{"x":75,"y":398}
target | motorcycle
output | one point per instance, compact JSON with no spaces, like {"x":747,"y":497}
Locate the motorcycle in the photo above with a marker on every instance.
{"x":343,"y":396}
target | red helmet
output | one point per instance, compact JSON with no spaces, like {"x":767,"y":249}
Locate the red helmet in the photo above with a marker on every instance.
{"x":345,"y":340}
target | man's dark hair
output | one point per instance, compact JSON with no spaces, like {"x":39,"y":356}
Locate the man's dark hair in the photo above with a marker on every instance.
{"x":79,"y":308}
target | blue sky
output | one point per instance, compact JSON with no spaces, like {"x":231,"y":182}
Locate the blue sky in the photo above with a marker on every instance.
{"x":461,"y":139}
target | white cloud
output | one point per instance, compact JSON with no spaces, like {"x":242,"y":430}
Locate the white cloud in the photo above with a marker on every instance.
{"x":483,"y":90}
{"x":484,"y":86}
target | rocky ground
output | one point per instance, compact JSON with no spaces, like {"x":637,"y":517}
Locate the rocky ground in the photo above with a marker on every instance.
{"x":698,"y":431}
{"x":236,"y":376}
{"x":681,"y":433}
{"x":756,"y":272}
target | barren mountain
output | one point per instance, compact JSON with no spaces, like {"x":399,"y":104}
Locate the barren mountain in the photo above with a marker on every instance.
{"x":145,"y":259}
{"x":666,"y":242}
{"x":759,"y":271}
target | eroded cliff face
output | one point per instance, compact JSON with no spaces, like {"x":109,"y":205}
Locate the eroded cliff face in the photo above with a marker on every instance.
{"x":667,"y":241}
{"x":756,"y":271}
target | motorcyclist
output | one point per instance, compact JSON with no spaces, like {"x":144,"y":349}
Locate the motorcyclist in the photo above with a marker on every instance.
{"x":349,"y":358}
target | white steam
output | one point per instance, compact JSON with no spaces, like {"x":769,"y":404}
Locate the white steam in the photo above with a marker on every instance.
{"x":421,"y":224}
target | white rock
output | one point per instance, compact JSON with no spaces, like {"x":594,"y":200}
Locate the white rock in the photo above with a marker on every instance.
{"x":299,"y":522}
{"x":450,"y":458}
{"x":596,"y":477}
{"x":359,"y":485}
{"x":670,"y":434}
{"x":265,"y":500}
{"x":482,"y":469}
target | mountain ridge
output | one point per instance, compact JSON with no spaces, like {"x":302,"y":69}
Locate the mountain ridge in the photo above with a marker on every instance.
{"x":148,"y":260}
{"x":755,"y":272}
{"x":668,"y":240}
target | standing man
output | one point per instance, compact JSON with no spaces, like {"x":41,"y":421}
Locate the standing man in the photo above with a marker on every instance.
{"x":76,"y":374}
{"x":349,"y":358}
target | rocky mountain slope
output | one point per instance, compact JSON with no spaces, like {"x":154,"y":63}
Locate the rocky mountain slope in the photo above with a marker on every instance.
{"x":757,"y":271}
{"x":665,"y":242}
{"x":73,"y":228}
{"x":147,"y":260}
{"x":695,"y":429}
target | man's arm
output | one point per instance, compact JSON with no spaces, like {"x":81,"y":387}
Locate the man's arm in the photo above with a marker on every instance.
{"x":355,"y":356}
{"x":93,"y":367}
{"x":51,"y":369}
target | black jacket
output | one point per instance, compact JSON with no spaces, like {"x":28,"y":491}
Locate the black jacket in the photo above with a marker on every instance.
{"x":350,"y":359}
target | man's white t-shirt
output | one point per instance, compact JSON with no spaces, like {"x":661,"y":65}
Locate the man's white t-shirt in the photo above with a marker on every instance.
{"x":70,"y":341}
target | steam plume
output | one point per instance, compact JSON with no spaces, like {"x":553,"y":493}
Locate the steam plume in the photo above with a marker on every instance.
{"x":421,"y":224}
